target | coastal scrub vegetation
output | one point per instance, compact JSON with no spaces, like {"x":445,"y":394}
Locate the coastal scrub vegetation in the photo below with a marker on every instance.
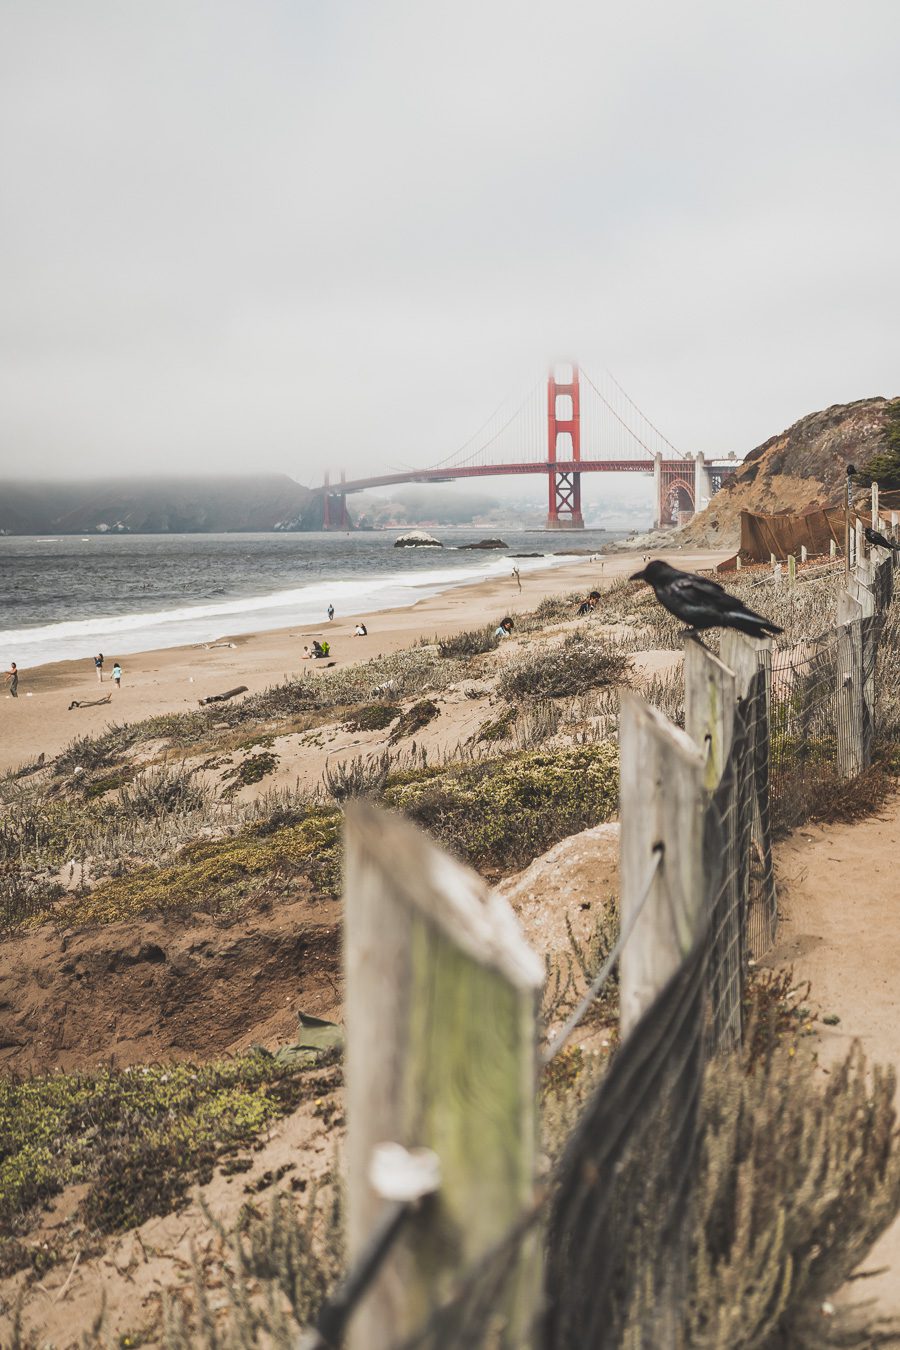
{"x":474,"y":642}
{"x":496,"y":814}
{"x":138,"y":1137}
{"x":884,"y":467}
{"x":795,"y":1178}
{"x":580,"y":663}
{"x":500,"y":814}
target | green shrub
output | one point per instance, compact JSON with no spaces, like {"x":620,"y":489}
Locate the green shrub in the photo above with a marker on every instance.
{"x":139,"y":1137}
{"x":373,"y":717}
{"x":502,"y":814}
{"x":253,"y":769}
{"x":415,"y":718}
{"x":220,"y":875}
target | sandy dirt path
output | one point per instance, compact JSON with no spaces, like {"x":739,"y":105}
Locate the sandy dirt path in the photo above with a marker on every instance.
{"x":839,"y":898}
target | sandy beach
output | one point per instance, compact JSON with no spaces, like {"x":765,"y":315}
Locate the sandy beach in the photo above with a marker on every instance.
{"x":176,"y":678}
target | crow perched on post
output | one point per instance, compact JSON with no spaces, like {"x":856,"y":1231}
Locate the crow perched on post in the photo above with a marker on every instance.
{"x":875,"y":538}
{"x":701,"y":603}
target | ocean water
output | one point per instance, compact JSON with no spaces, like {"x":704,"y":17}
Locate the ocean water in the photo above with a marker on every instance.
{"x":66,"y":598}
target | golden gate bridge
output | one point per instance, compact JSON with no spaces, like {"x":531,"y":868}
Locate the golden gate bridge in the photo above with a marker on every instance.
{"x":567,"y":427}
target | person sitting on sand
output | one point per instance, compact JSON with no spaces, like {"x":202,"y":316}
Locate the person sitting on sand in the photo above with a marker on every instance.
{"x":361,"y":630}
{"x":324,"y":649}
{"x":505,"y":628}
{"x":12,"y":679}
{"x":307,"y":654}
{"x":317,"y":650}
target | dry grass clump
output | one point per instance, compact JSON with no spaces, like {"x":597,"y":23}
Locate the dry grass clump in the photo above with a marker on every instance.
{"x":357,"y":777}
{"x":164,"y":791}
{"x":666,"y":692}
{"x":473,"y":642}
{"x":796,"y":1181}
{"x":537,"y":723}
{"x":578,"y":664}
{"x":280,"y":1269}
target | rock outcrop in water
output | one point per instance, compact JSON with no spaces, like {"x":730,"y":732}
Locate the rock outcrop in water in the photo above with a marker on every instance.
{"x":487,"y":543}
{"x":417,"y":539}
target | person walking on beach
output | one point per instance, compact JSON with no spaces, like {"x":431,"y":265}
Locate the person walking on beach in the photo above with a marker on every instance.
{"x":117,"y":675}
{"x":98,"y":666}
{"x":330,"y":613}
{"x":12,"y":679}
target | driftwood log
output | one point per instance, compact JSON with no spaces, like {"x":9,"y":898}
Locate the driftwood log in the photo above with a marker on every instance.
{"x":220,"y":698}
{"x":95,"y":703}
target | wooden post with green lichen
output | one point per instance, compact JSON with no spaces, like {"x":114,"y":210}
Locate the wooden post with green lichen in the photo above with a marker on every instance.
{"x":792,"y":568}
{"x":660,"y":852}
{"x":710,"y":695}
{"x":441,"y":1018}
{"x":748,"y":657}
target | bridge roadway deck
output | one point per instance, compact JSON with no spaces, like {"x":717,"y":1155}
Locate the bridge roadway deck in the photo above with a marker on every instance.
{"x":447,"y":475}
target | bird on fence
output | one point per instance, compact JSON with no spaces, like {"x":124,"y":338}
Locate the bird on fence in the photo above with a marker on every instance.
{"x":880,"y":540}
{"x":701,"y":603}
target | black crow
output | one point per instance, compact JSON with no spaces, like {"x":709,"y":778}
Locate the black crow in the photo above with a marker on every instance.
{"x":701,"y":603}
{"x":875,"y":538}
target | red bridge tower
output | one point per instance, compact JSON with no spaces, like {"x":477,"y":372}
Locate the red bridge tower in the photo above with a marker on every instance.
{"x":564,"y":511}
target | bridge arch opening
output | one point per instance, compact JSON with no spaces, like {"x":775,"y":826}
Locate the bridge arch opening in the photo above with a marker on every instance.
{"x":679,"y":503}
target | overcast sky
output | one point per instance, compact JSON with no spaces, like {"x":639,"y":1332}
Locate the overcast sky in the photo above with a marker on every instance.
{"x":280,"y":234}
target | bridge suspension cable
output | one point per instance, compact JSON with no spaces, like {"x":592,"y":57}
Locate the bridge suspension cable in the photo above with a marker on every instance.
{"x":630,"y":401}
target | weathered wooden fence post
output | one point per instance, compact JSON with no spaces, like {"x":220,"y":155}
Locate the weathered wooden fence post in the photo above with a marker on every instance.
{"x":748,"y":658}
{"x":849,"y":701}
{"x":862,"y":587}
{"x":710,"y":695}
{"x":660,"y":852}
{"x":441,"y":1017}
{"x":876,"y":523}
{"x":709,"y":698}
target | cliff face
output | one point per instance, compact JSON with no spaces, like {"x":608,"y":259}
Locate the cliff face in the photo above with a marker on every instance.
{"x":157,"y":506}
{"x":802,"y":468}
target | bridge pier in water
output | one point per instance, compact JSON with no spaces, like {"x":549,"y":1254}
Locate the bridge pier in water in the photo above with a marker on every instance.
{"x":334,"y":506}
{"x":564,"y":504}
